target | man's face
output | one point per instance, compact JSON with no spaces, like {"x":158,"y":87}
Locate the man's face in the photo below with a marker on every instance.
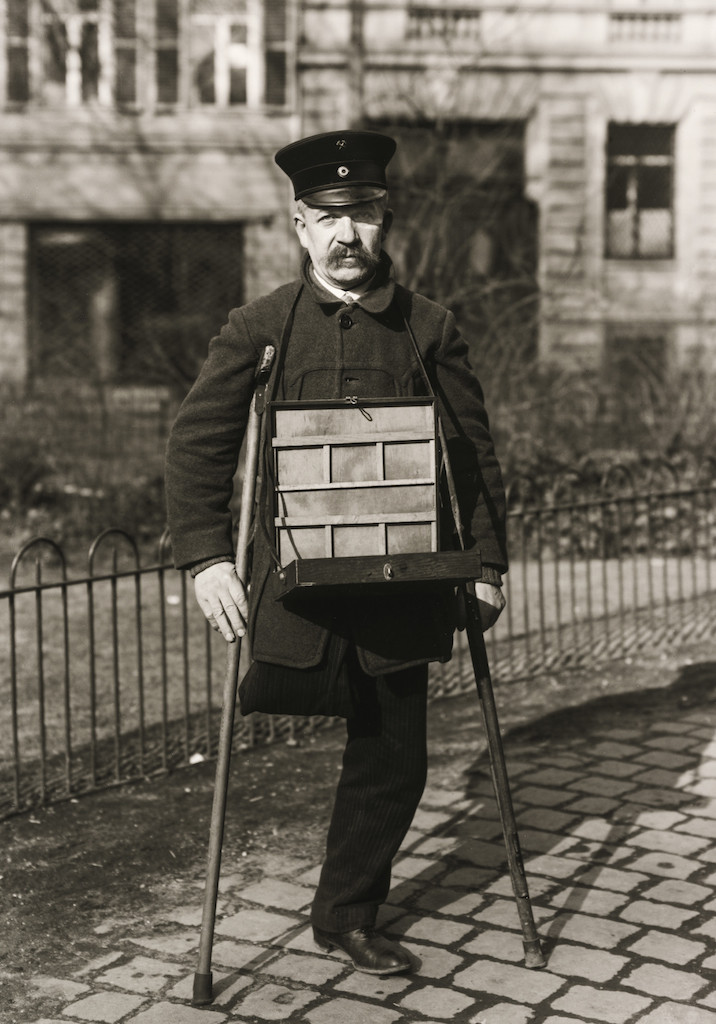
{"x":344,"y":242}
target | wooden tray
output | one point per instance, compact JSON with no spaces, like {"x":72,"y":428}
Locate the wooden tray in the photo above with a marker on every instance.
{"x":380,"y":574}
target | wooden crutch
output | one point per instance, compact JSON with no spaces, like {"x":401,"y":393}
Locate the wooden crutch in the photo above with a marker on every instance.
{"x":202,"y":991}
{"x":534,"y":957}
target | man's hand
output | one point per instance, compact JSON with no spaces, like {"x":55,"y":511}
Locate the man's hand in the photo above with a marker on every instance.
{"x":490,"y":602}
{"x":222,"y":598}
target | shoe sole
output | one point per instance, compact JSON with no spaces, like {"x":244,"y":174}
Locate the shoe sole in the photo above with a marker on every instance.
{"x":328,"y":947}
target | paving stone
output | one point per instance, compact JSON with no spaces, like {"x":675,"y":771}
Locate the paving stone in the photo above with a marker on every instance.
{"x":274,"y":1002}
{"x":437,"y":1002}
{"x":437,"y":846}
{"x":184,"y":989}
{"x":589,"y":901}
{"x":350,"y":1011}
{"x":141,"y":974}
{"x":545,"y":818}
{"x":541,"y":796}
{"x":677,"y":743}
{"x":178,"y":1013}
{"x":678,"y":1013}
{"x":600,"y":786}
{"x":664,"y":797}
{"x":657,"y":980}
{"x":584,"y":962}
{"x":676,"y":891}
{"x":468,"y":878}
{"x":104,"y":1007}
{"x":661,"y":820}
{"x":554,"y":867}
{"x":98,"y":963}
{"x":416,"y":867}
{"x":533,"y":841}
{"x":175,"y":945}
{"x":657,"y":915}
{"x":449,"y":902}
{"x":505,"y":1013}
{"x":498,"y":944}
{"x":434,"y":796}
{"x":272,"y":892}
{"x":707,"y":928}
{"x":551,"y":777}
{"x":372,"y":986}
{"x":309,"y":970}
{"x":434,"y":961}
{"x":537,"y":885}
{"x":597,"y":806}
{"x":613,"y":878}
{"x":565,"y":1020}
{"x":259,"y":925}
{"x":666,"y":759}
{"x":596,"y":1004}
{"x":591,"y":931}
{"x":239,"y":954}
{"x":439,"y":931}
{"x":602,"y":831}
{"x":705,"y":788}
{"x":518,"y":983}
{"x":608,"y":750}
{"x":619,"y":769}
{"x":59,"y":988}
{"x":503,"y":914}
{"x":481,"y":853}
{"x":430,"y":821}
{"x":667,"y":865}
{"x":665,"y":946}
{"x":671,"y":779}
{"x":669,"y":842}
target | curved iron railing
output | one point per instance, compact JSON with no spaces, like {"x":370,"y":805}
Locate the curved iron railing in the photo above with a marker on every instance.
{"x":110,"y":674}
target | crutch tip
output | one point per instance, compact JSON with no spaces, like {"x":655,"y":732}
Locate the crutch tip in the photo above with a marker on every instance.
{"x":202,"y":994}
{"x":534,"y":957}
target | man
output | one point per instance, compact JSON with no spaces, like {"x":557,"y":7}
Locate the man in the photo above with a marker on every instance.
{"x":344,"y":330}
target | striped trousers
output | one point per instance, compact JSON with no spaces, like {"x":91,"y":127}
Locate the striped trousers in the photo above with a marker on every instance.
{"x":381,"y":782}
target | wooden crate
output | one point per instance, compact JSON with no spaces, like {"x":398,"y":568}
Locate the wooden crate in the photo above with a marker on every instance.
{"x":355,"y":479}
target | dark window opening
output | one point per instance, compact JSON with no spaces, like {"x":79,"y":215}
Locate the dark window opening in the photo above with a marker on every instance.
{"x":639,"y":191}
{"x":130,"y":303}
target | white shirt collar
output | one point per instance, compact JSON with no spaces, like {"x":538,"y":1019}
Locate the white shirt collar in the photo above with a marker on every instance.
{"x":354,"y":295}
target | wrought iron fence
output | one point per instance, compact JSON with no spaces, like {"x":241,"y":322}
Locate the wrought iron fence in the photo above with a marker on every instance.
{"x":112,"y":674}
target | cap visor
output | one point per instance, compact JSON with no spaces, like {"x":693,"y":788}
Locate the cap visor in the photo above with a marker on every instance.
{"x":344,"y":196}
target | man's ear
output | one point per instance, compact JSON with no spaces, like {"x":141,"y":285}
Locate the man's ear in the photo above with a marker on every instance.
{"x":300,"y":225}
{"x":387,"y":222}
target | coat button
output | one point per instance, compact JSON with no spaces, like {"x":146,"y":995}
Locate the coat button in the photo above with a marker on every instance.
{"x":345,"y":321}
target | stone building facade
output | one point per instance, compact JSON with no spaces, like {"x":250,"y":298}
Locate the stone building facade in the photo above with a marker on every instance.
{"x":133,"y":132}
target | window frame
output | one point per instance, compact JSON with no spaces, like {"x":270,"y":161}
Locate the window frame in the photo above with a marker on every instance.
{"x":633,"y":164}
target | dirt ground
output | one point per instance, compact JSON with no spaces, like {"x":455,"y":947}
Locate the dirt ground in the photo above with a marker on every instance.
{"x":73,"y":873}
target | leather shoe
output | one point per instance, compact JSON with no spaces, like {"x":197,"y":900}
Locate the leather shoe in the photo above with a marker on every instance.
{"x":370,"y":952}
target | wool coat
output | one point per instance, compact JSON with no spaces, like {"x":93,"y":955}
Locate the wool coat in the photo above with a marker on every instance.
{"x":332,"y":349}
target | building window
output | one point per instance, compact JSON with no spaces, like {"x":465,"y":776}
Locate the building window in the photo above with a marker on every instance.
{"x":166,"y":53}
{"x":238,"y":53}
{"x":639,"y":191}
{"x":130,"y":303}
{"x":642,"y":27}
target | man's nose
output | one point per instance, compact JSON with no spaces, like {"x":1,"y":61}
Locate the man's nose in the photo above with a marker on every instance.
{"x":346,"y":231}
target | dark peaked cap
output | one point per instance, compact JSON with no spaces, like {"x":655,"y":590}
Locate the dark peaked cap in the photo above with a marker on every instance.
{"x":345,"y":167}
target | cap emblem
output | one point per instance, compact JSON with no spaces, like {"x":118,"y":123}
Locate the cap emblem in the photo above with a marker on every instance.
{"x":341,"y":144}
{"x":343,"y":172}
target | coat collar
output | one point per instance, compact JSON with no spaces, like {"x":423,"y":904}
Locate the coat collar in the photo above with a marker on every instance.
{"x":376,"y":300}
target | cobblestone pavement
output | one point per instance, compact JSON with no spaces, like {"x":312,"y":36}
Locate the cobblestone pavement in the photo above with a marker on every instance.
{"x":617,"y":827}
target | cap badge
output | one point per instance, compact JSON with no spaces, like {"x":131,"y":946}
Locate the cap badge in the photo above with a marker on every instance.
{"x":341,"y":144}
{"x":343,"y":172}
